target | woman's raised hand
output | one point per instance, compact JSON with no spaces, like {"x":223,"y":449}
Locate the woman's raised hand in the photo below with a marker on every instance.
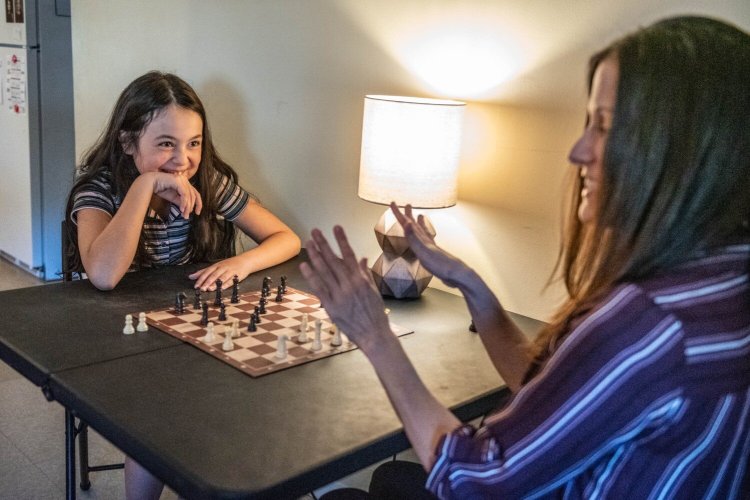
{"x":346,"y":290}
{"x":452,"y":271}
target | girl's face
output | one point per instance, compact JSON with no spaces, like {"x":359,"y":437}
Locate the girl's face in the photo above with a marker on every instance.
{"x":171,"y":143}
{"x":588,"y":151}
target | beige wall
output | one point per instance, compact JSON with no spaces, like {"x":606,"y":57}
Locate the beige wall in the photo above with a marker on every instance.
{"x":283,"y":82}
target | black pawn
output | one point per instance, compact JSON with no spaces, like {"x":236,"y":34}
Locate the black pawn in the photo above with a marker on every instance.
{"x":279,"y":295}
{"x":262,"y":305}
{"x":251,"y":326}
{"x":204,"y":315}
{"x":235,"y":290}
{"x":179,"y":303}
{"x":256,"y":314}
{"x":197,"y":299}
{"x":472,"y":328}
{"x":222,"y":312}
{"x":265,"y":291}
{"x":283,"y":284}
{"x":217,"y":301}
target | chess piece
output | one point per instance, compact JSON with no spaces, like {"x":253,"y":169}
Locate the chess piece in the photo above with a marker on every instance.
{"x":142,"y":325}
{"x":256,"y":315}
{"x":128,"y":330}
{"x":179,"y":303}
{"x":235,"y":328}
{"x":217,"y":300}
{"x":251,"y":326}
{"x":222,"y":312}
{"x":265,"y":290}
{"x":204,"y":315}
{"x":472,"y":327}
{"x":228,"y":345}
{"x":336,"y":340}
{"x":262,"y":305}
{"x":302,"y":338}
{"x":235,"y":290}
{"x":283,"y":284}
{"x":197,"y":299}
{"x":281,"y":347}
{"x":279,"y":295}
{"x":317,"y":345}
{"x":210,"y":336}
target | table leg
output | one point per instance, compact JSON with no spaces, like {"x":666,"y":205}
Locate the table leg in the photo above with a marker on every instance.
{"x":70,"y":455}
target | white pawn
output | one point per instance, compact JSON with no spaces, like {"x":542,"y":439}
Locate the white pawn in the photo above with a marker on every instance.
{"x":316,"y":345}
{"x":281,"y":347}
{"x":128,"y":330}
{"x":235,"y":331}
{"x":142,"y":325}
{"x":336,"y":340}
{"x":210,"y":336}
{"x":303,"y":330}
{"x":228,"y":345}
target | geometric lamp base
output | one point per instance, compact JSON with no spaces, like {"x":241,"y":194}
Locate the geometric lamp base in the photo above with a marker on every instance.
{"x":402,"y":277}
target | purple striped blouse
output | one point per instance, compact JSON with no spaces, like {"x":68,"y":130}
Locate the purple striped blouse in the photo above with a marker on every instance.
{"x":647,"y":397}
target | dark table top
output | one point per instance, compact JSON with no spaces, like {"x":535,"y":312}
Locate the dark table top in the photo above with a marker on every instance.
{"x":209,"y":430}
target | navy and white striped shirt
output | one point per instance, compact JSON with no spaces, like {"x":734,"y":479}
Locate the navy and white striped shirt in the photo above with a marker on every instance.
{"x":165,"y":241}
{"x":647,"y":397}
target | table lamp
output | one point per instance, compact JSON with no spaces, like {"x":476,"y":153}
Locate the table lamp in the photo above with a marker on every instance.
{"x":410,"y":155}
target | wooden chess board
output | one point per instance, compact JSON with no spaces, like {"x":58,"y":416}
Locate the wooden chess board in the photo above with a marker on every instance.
{"x":255,"y":352}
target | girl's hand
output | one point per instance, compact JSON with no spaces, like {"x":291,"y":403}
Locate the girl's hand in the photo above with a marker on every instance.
{"x":225,"y":270}
{"x":346,"y":291}
{"x":452,"y":271}
{"x":176,"y":188}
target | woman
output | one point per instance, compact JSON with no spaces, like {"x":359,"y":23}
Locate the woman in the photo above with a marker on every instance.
{"x":640,"y":385}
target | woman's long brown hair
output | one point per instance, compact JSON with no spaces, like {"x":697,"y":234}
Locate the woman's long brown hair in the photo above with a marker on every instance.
{"x":676,"y":174}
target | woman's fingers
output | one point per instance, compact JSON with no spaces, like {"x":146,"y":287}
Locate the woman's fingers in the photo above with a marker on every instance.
{"x":319,"y":265}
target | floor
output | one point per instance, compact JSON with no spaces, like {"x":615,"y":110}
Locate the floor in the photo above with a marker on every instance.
{"x":32,"y":437}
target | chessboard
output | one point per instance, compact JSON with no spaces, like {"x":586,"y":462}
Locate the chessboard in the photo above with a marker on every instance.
{"x":255,"y":353}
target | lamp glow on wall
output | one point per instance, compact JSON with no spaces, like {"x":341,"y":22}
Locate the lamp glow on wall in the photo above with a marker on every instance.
{"x":410,"y":155}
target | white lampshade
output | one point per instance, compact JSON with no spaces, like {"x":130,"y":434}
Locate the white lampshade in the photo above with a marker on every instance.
{"x":410,"y":151}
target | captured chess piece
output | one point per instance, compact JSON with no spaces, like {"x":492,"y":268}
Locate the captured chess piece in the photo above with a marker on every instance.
{"x":472,"y":327}
{"x":142,"y":325}
{"x":128,"y":329}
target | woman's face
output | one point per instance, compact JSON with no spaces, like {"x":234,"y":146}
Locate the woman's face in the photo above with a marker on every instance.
{"x":588,"y":152}
{"x":170,"y":143}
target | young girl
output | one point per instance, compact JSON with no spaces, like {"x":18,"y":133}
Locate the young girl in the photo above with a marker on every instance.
{"x":154,"y":191}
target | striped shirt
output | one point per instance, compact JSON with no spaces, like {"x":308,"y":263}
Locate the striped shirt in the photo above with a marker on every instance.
{"x":648,"y":397}
{"x":165,"y":241}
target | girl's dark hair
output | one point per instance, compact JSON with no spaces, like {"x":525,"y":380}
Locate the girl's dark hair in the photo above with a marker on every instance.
{"x":209,"y":237}
{"x":676,"y":173}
